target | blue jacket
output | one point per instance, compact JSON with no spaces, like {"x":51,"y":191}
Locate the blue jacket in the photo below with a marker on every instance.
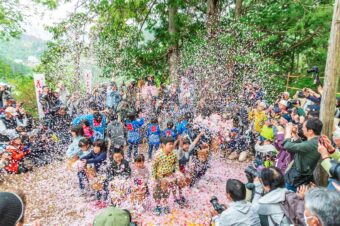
{"x":99,"y":131}
{"x":113,"y":98}
{"x":74,"y":150}
{"x":153,"y":134}
{"x":132,"y":128}
{"x":181,"y":127}
{"x":169,"y":133}
{"x":96,"y":159}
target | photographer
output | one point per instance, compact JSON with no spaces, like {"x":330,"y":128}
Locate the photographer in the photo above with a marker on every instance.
{"x":270,"y":192}
{"x":4,"y":94}
{"x":305,"y":153}
{"x":299,"y":111}
{"x":239,"y":211}
{"x":312,"y":96}
{"x":49,"y":101}
{"x":330,"y":158}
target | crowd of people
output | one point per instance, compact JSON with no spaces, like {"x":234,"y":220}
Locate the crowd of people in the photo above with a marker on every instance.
{"x":111,"y":134}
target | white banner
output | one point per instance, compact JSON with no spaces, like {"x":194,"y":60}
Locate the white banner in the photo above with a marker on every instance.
{"x":39,"y":83}
{"x":88,"y":80}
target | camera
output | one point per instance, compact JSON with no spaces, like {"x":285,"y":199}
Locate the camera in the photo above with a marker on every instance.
{"x":251,"y":173}
{"x":218,"y":207}
{"x":294,"y":102}
{"x":315,"y":72}
{"x":335,"y":169}
{"x":300,"y":94}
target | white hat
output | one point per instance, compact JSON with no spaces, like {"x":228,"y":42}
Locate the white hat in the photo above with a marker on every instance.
{"x":283,"y":102}
{"x":11,"y":110}
{"x":286,"y":93}
{"x":263,"y":104}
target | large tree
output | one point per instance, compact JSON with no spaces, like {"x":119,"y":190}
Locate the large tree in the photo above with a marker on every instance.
{"x":10,"y":19}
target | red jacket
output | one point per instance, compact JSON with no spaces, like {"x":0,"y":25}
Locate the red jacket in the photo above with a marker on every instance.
{"x":18,"y":154}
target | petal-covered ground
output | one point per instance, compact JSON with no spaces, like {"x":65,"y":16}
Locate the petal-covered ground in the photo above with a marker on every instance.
{"x":52,"y":194}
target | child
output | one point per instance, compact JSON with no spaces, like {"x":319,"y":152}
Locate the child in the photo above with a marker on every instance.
{"x":133,"y":136}
{"x":235,"y":145}
{"x":74,"y":152}
{"x":115,"y":132}
{"x":5,"y":157}
{"x":258,"y":117}
{"x":181,"y":126}
{"x":96,"y":157}
{"x":169,"y":131}
{"x":119,"y":168}
{"x":265,"y":154}
{"x":267,"y":132}
{"x":17,"y":152}
{"x":165,"y":172}
{"x":88,"y":131}
{"x":186,"y":149}
{"x":199,"y":164}
{"x":153,"y":135}
{"x":97,"y":121}
{"x":140,"y":173}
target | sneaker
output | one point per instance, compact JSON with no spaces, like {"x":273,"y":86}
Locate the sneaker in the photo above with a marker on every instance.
{"x":234,"y":155}
{"x":157,"y":211}
{"x":166,"y":210}
{"x":243,"y":156}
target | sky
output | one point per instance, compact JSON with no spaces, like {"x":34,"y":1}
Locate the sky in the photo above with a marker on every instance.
{"x":38,"y":16}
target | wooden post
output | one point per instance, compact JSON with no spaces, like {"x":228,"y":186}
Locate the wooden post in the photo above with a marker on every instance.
{"x":330,"y":85}
{"x":332,"y":74}
{"x":287,"y":84}
{"x":173,"y":53}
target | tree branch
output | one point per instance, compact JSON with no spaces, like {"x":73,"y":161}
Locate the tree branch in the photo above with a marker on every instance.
{"x":310,"y":37}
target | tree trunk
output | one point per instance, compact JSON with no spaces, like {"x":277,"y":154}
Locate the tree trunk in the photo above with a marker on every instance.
{"x":238,"y":8}
{"x":174,"y":49}
{"x":213,"y":16}
{"x":332,"y":74}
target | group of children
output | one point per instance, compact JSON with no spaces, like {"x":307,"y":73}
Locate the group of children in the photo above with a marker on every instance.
{"x":176,"y":161}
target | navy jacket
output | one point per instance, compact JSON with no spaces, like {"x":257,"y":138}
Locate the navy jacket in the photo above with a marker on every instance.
{"x":96,"y":159}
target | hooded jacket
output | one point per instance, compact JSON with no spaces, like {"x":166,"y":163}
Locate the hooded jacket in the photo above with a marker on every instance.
{"x":268,"y":206}
{"x":284,"y":158}
{"x":132,"y":127}
{"x":238,"y":213}
{"x":73,"y":149}
{"x":153,"y":134}
{"x":98,"y":128}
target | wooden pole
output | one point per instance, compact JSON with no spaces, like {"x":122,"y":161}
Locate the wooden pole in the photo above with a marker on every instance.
{"x":330,"y":85}
{"x":332,"y":74}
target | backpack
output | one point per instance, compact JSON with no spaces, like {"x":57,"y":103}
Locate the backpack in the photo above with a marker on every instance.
{"x":293,"y":208}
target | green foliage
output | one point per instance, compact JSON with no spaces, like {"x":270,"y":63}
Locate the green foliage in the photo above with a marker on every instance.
{"x":22,"y":87}
{"x":10,"y":18}
{"x":131,"y":38}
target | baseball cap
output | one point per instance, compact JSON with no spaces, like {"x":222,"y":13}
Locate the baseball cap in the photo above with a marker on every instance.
{"x":11,"y":208}
{"x":112,"y":216}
